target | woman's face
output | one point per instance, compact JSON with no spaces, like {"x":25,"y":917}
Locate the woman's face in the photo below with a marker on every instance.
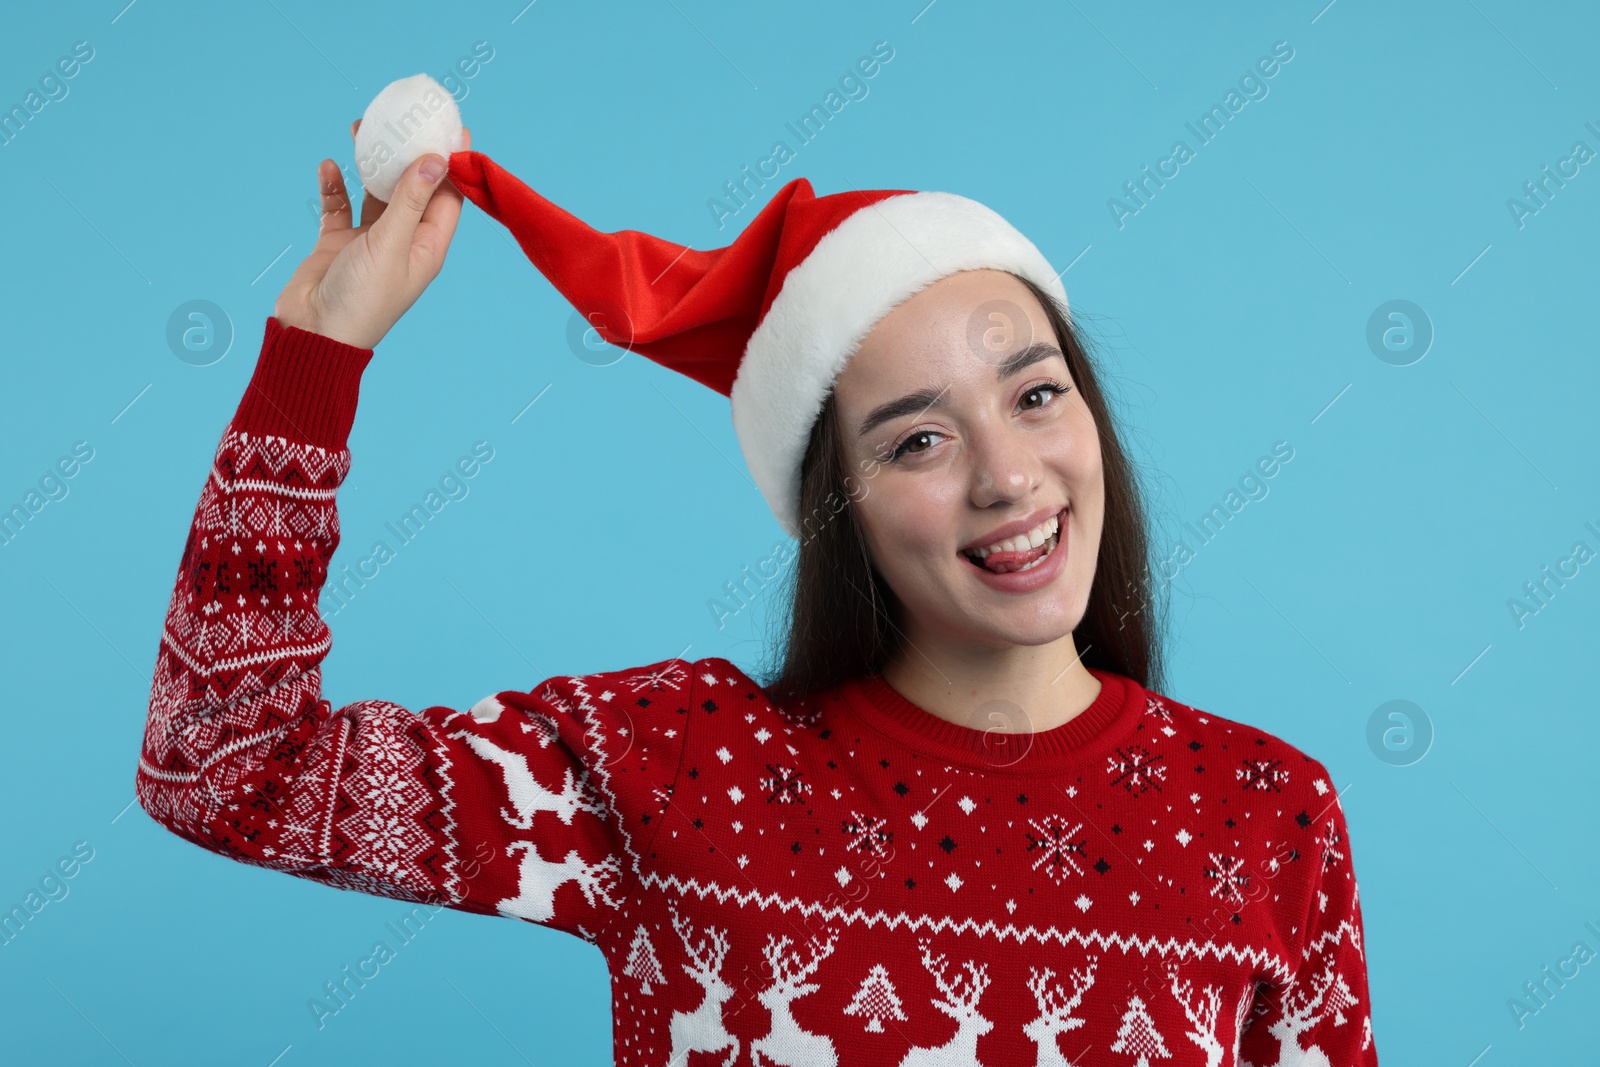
{"x":956,"y":441}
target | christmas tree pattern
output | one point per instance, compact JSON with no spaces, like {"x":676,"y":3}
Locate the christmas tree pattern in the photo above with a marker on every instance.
{"x":876,"y":999}
{"x":642,"y":962}
{"x":599,"y":803}
{"x":1137,"y":1035}
{"x":1340,"y":998}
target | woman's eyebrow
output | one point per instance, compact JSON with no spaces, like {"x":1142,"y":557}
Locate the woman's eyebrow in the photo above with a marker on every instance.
{"x":923,"y":399}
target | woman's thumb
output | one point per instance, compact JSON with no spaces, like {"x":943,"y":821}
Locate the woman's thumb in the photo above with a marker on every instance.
{"x":399,"y":220}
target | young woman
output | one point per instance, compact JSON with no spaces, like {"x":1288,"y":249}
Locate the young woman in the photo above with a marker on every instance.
{"x":959,"y":824}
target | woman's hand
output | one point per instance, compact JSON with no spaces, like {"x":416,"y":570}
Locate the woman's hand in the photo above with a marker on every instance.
{"x":357,"y":282}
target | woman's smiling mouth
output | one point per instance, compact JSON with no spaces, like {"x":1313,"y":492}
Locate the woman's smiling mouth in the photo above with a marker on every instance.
{"x":1021,"y":552}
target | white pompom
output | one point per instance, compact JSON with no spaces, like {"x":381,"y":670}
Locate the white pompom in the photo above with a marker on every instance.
{"x":409,"y":119}
{"x":488,"y":709}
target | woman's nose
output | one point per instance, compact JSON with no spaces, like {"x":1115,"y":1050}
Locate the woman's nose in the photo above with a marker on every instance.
{"x":1005,"y":465}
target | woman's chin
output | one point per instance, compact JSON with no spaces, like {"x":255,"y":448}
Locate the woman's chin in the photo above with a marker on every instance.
{"x":1034,"y":625}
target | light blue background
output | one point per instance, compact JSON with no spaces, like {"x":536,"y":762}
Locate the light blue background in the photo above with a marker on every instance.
{"x":1231,"y":310}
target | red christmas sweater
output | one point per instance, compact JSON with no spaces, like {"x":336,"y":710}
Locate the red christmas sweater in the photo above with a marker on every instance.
{"x":847,"y":880}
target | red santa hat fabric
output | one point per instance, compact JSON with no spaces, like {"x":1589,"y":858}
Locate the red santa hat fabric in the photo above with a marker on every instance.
{"x":771,"y":319}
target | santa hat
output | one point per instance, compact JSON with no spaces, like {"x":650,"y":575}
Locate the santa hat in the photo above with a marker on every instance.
{"x":771,"y":319}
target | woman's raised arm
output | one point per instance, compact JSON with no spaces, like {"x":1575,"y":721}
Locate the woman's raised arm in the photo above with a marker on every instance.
{"x":536,"y":804}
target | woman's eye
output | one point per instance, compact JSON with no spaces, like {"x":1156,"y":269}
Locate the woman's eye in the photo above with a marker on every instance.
{"x":1054,"y":389}
{"x":905,"y":446}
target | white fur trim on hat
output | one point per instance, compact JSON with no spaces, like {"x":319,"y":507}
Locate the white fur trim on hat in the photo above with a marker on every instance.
{"x":858,"y":272}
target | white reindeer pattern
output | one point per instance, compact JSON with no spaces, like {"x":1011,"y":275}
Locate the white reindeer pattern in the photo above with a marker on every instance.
{"x":1201,"y":1010}
{"x":785,"y":1043}
{"x":961,"y":1004}
{"x":525,"y":792}
{"x":1300,"y":1013}
{"x":538,"y":879}
{"x":1055,"y":1011}
{"x":702,"y":1030}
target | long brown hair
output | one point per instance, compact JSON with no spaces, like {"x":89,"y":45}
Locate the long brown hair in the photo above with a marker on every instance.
{"x":844,"y":620}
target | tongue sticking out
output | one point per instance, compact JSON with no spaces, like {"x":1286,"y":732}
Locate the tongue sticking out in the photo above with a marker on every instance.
{"x":1006,"y":562}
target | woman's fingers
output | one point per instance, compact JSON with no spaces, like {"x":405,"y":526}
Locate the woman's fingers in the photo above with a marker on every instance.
{"x":444,"y":209}
{"x":335,"y":200}
{"x":439,"y":218}
{"x":438,"y":225}
{"x":448,"y":196}
{"x":439,"y":212}
{"x":392,"y":234}
{"x":371,"y":206}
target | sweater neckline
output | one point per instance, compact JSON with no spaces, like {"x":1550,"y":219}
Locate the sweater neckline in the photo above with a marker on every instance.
{"x":1112,"y":713}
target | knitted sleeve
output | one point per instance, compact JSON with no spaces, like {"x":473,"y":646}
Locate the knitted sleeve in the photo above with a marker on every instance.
{"x":535,"y":804}
{"x":1323,"y":1014}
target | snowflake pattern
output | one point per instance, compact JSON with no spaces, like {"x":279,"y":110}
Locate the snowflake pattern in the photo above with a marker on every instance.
{"x":785,"y":786}
{"x":1228,"y":877}
{"x":869,"y":835}
{"x":1263,"y":774}
{"x":1135,"y":769}
{"x":1329,"y":840}
{"x":1052,"y":838}
{"x":368,"y":797}
{"x":672,"y":677}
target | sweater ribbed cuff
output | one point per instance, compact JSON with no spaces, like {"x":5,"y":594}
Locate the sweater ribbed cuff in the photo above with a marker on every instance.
{"x":305,"y":387}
